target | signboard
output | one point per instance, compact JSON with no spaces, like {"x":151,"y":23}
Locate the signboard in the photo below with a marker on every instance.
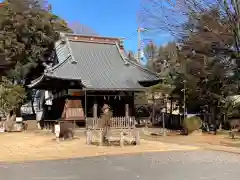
{"x":39,"y":115}
{"x":57,"y":130}
{"x":2,"y":129}
{"x":19,"y":119}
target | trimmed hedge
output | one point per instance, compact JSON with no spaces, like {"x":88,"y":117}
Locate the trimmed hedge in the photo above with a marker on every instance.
{"x":191,"y":124}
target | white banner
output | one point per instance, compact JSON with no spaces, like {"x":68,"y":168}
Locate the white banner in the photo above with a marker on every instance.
{"x":57,"y":130}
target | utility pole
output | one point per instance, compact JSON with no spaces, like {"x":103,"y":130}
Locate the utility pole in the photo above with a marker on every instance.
{"x":139,"y":30}
{"x":183,"y":69}
{"x":163,"y":114}
{"x":184,"y":98}
{"x":139,"y":45}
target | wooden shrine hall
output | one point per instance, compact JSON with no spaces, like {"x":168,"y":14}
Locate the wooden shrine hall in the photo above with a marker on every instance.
{"x":88,"y":72}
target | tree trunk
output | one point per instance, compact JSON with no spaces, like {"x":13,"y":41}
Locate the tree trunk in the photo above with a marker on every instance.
{"x":153,"y":109}
{"x":222,"y":122}
{"x":18,"y":111}
{"x":171,"y":110}
{"x":32,"y":105}
{"x":9,"y":125}
{"x":32,"y":101}
{"x":213,"y":119}
{"x":220,"y":127}
{"x":213,"y":115}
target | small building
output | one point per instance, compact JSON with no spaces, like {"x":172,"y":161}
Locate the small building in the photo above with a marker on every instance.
{"x":95,"y":71}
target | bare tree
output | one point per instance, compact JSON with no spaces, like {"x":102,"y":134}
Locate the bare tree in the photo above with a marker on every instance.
{"x":162,"y":16}
{"x":209,"y":34}
{"x":42,"y":3}
{"x":151,"y":53}
{"x":131,"y":57}
{"x":79,"y":28}
{"x":172,"y":15}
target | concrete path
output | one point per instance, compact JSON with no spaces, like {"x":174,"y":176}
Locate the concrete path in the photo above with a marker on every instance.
{"x":175,"y":165}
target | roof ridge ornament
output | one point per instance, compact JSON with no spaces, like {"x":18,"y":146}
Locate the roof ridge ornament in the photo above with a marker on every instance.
{"x":47,"y":67}
{"x":63,"y":41}
{"x":126,"y":63}
{"x":124,"y":58}
{"x":62,"y":38}
{"x":73,"y":60}
{"x":62,"y":35}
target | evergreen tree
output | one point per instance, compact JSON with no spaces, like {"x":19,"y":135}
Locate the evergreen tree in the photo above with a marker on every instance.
{"x":27,"y":36}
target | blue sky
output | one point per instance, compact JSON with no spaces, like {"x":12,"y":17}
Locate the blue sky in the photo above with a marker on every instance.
{"x":113,"y":18}
{"x":107,"y":17}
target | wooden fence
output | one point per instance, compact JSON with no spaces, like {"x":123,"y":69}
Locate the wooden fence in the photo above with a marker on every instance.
{"x":120,"y":123}
{"x":116,"y":123}
{"x":93,"y":123}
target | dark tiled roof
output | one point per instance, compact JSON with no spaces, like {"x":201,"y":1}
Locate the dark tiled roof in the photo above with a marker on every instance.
{"x":98,"y":66}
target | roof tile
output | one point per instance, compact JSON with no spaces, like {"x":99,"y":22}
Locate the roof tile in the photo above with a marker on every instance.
{"x":99,"y":66}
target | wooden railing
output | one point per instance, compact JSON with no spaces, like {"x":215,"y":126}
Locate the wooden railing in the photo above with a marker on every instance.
{"x":116,"y":123}
{"x":49,"y":125}
{"x":94,"y":123}
{"x":124,"y":124}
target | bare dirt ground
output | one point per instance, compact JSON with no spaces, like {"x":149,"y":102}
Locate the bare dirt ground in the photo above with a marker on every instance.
{"x":28,"y":146}
{"x":221,"y":141}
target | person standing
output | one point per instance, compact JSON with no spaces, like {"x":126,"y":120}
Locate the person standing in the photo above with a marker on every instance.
{"x":105,"y":121}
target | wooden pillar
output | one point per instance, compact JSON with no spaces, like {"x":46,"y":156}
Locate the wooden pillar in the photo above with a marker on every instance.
{"x":132,"y":105}
{"x":95,"y":107}
{"x":126,"y":110}
{"x":85,"y":107}
{"x":126,"y":100}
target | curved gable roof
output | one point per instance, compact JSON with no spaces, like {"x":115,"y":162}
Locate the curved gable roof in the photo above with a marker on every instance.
{"x":98,"y":65}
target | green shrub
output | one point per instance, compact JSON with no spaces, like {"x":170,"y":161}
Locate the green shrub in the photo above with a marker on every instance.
{"x":192,"y":123}
{"x":11,"y":95}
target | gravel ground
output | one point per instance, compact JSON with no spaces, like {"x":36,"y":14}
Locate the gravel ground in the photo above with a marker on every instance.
{"x":175,"y":165}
